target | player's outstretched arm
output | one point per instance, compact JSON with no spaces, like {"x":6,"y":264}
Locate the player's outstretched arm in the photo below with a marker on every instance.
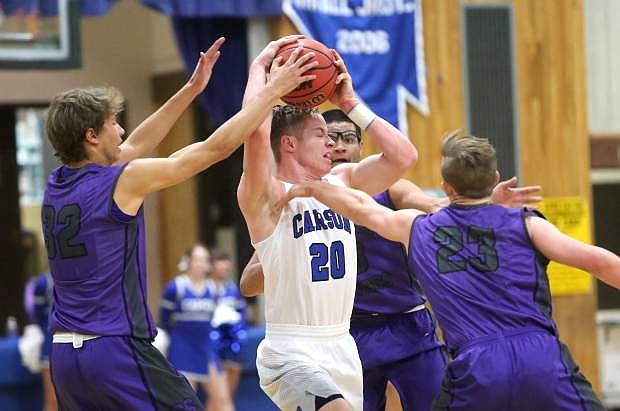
{"x":357,"y":206}
{"x":147,"y":136}
{"x":556,"y":246}
{"x":257,"y":188}
{"x":377,"y":172}
{"x":257,"y":157}
{"x":404,"y":194}
{"x":252,"y":282}
{"x":144,"y":176}
{"x":257,"y":78}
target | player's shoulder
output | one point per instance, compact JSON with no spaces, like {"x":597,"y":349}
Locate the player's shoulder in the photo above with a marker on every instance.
{"x":342,"y":173}
{"x":339,"y":175}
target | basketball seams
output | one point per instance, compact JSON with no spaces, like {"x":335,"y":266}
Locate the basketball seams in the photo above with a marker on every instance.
{"x":295,"y":96}
{"x":313,"y":92}
{"x":327,"y":56}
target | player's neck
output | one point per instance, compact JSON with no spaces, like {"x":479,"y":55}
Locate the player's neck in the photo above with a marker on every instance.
{"x":293,"y":172}
{"x":78,"y":164}
{"x":457,"y":199}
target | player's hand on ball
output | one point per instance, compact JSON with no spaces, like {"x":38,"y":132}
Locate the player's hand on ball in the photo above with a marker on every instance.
{"x":265,"y":58}
{"x":287,"y":75}
{"x":344,"y":97}
{"x":202,"y":73}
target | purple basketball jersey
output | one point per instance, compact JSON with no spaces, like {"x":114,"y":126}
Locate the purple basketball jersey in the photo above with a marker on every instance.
{"x":480,"y":272}
{"x":385,"y":284}
{"x":97,"y":261}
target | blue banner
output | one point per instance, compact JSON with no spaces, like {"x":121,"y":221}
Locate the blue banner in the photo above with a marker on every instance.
{"x":381,"y":43}
{"x":216,"y":8}
{"x":88,"y":8}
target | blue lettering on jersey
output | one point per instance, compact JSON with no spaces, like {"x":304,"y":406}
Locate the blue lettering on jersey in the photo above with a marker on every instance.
{"x":320,"y":224}
{"x":308,"y":226}
{"x":314,"y":220}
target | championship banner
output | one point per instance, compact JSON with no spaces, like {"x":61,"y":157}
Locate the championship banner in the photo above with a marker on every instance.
{"x":381,"y":43}
{"x":571,"y":216}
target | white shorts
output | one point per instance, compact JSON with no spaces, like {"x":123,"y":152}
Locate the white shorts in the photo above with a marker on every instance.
{"x":296,"y":364}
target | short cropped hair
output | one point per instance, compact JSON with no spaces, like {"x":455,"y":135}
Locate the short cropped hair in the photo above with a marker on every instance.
{"x":72,"y":112}
{"x":217,"y":254}
{"x":468,"y":164}
{"x":287,"y":120}
{"x":336,"y":116}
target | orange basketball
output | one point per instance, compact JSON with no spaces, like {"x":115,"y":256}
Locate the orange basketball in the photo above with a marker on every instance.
{"x":314,"y":92}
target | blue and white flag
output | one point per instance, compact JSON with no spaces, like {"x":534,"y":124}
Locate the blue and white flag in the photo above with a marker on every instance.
{"x":381,"y":43}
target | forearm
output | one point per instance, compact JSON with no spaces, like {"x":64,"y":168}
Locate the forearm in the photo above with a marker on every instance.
{"x":606,"y":266}
{"x":257,"y":157}
{"x":350,"y":203}
{"x":377,"y":172}
{"x":259,"y":142}
{"x":230,"y":135}
{"x":147,"y":136}
{"x":145,"y":176}
{"x":405,"y":194}
{"x":395,"y":146}
{"x":423,"y":202}
{"x":257,"y":78}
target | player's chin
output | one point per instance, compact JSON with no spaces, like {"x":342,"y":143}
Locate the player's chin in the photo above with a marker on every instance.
{"x":325,"y":167}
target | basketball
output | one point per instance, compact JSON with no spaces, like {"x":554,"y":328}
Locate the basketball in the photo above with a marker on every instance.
{"x":314,"y":92}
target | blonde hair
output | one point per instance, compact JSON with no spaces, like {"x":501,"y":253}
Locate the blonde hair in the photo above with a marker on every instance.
{"x":468,"y":164}
{"x":287,"y":120}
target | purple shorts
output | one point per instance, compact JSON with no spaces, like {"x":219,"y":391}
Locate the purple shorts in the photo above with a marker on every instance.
{"x":528,"y":370}
{"x":118,"y":373}
{"x":404,"y":350}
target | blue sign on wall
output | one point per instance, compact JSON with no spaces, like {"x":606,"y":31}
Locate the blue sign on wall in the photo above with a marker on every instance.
{"x":381,"y":43}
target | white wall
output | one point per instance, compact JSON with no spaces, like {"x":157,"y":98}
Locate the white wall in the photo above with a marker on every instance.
{"x":123,"y":49}
{"x":603,"y":64}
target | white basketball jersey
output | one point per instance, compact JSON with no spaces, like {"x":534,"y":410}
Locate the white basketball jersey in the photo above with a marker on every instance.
{"x":310,"y":264}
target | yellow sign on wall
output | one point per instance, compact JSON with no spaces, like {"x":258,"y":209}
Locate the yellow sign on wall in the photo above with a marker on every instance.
{"x":572,"y":217}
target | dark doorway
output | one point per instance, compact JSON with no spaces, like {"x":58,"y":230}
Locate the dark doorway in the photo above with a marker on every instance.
{"x":11,"y":251}
{"x":606,"y":198}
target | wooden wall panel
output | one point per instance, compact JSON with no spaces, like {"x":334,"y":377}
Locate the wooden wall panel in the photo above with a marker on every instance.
{"x":555,"y":150}
{"x":444,"y":76}
{"x":551,"y":96}
{"x":178,"y":214}
{"x":179,"y":208}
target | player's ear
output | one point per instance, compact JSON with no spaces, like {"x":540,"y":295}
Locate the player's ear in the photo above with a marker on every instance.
{"x":497,"y":178}
{"x":448,"y":189}
{"x":288,"y":142}
{"x":91,"y":136}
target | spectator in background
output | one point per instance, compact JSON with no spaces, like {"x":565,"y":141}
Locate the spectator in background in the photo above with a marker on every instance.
{"x":229,"y":318}
{"x":186,"y":312}
{"x":36,"y":343}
